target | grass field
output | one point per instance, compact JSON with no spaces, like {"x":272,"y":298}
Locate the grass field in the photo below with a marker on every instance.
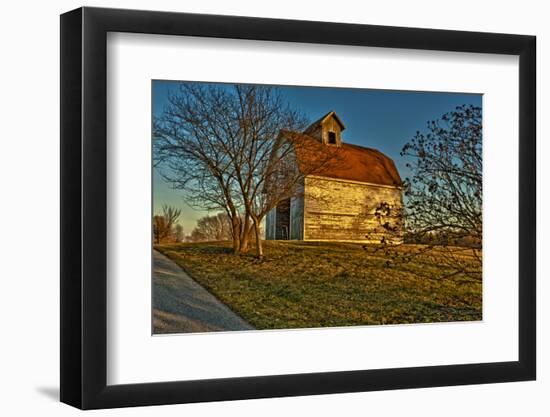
{"x":305,"y":284}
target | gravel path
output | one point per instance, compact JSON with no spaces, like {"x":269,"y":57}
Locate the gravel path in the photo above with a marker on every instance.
{"x":181,"y":305}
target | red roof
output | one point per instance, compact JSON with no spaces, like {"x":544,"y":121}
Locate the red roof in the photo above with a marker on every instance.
{"x":347,"y":161}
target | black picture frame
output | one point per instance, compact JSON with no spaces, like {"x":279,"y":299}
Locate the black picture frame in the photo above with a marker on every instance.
{"x":84,"y":207}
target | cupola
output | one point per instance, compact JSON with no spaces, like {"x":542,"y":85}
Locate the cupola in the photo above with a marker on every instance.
{"x":328,"y":129}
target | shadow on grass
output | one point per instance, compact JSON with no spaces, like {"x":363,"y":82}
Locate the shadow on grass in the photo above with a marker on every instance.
{"x":215,"y":250}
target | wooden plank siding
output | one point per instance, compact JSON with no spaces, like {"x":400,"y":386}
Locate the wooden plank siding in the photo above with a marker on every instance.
{"x":297,"y":218}
{"x":270,"y":225}
{"x":344,"y":210}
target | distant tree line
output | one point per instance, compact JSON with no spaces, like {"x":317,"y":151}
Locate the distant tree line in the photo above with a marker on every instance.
{"x":210,"y":228}
{"x":216,"y":227}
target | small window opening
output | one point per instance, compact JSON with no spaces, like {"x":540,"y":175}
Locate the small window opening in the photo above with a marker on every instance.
{"x":332,"y":138}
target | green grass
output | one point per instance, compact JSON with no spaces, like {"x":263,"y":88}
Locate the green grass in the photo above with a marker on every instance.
{"x":304,"y":284}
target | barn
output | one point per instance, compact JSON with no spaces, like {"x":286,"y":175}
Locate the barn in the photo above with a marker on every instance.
{"x":357,"y":199}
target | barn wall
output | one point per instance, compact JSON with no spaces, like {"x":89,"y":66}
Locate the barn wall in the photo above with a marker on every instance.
{"x":270,"y":225}
{"x":345,"y":210}
{"x":297,"y":218}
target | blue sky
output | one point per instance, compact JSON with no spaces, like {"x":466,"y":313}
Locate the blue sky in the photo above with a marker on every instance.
{"x":380,"y":119}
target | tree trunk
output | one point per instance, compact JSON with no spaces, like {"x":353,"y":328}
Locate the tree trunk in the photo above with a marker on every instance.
{"x":259,"y":248}
{"x":251,"y":234}
{"x":236,"y":225}
{"x":245,"y":235}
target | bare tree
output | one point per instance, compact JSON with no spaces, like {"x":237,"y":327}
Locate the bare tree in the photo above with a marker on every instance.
{"x":191,"y":139}
{"x":265,"y":161}
{"x":212,"y":228}
{"x":178,"y":233}
{"x":163,"y":224}
{"x":223,"y":146}
{"x":443,"y":198}
{"x":159,"y":228}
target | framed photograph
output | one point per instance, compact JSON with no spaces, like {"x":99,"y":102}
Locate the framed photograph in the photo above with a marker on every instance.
{"x":260,"y":208}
